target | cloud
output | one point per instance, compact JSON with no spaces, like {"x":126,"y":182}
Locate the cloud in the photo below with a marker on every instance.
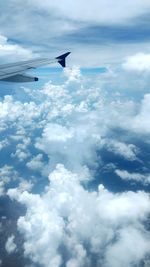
{"x":128,"y":151}
{"x":2,"y":190}
{"x":74,"y":118}
{"x":141,"y":121}
{"x":36,"y":163}
{"x":101,"y":225}
{"x":65,"y":126}
{"x":7,"y":174}
{"x":139,"y":62}
{"x":67,"y":142}
{"x":9,"y":177}
{"x":25,"y":186}
{"x":75,"y":11}
{"x":11,"y":110}
{"x":137,"y":177}
{"x":10,"y":51}
{"x":127,"y":239}
{"x":65,"y":25}
{"x":3,"y":143}
{"x":10,"y":246}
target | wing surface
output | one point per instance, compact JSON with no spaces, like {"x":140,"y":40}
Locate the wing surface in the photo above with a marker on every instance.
{"x":14,"y":69}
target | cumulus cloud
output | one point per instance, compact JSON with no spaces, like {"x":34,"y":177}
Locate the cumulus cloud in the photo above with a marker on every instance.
{"x":36,"y":163}
{"x":25,"y":185}
{"x":141,"y":120}
{"x":10,"y":51}
{"x":68,"y":142}
{"x":139,"y":62}
{"x":67,"y":125}
{"x":10,"y":246}
{"x":7,"y":174}
{"x":69,"y":218}
{"x":127,"y":239}
{"x":74,"y":119}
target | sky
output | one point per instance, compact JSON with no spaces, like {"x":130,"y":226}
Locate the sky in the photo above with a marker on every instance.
{"x":74,"y":146}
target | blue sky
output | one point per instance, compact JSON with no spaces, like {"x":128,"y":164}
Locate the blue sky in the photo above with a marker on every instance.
{"x":74,"y":147}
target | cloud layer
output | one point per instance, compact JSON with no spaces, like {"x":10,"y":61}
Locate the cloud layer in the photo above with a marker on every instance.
{"x":63,"y":131}
{"x":85,"y":225}
{"x":107,"y":32}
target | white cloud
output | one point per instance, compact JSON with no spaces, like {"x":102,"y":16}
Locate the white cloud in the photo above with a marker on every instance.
{"x":10,"y":246}
{"x":9,"y":51}
{"x":84,"y":223}
{"x":21,"y":155}
{"x":68,"y":142}
{"x":25,"y":185}
{"x":36,"y":163}
{"x":4,"y":143}
{"x":112,"y":10}
{"x":129,"y":240}
{"x":66,"y":221}
{"x":22,"y":152}
{"x":128,"y":151}
{"x":30,"y":20}
{"x":137,"y":177}
{"x":141,"y":121}
{"x":75,"y":120}
{"x":139,"y":62}
{"x":2,"y":188}
{"x":73,"y":74}
{"x":7,"y":174}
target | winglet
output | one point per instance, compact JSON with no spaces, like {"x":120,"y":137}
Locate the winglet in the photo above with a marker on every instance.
{"x":62,"y":59}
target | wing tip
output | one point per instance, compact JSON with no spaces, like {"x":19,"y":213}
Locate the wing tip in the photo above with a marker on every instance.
{"x":62,"y":59}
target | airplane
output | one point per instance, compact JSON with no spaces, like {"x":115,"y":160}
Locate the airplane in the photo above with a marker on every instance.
{"x":14,"y":72}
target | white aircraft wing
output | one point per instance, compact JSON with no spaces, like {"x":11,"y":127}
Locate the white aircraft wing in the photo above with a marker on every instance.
{"x":14,"y":72}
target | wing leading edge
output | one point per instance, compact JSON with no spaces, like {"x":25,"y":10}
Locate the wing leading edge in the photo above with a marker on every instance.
{"x":14,"y":72}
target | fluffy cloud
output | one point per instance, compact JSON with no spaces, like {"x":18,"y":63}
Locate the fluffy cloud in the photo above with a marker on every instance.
{"x":141,"y":120}
{"x":10,"y":246}
{"x":139,"y":62}
{"x":67,"y":142}
{"x":66,"y":126}
{"x":3,"y":143}
{"x":10,"y":51}
{"x":7,"y":174}
{"x":69,"y":218}
{"x":25,"y":185}
{"x":127,"y":240}
{"x":36,"y":163}
{"x":73,"y":118}
{"x":11,"y":110}
{"x":69,"y":122}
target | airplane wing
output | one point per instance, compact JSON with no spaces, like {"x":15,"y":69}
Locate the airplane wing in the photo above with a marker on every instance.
{"x":14,"y":72}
